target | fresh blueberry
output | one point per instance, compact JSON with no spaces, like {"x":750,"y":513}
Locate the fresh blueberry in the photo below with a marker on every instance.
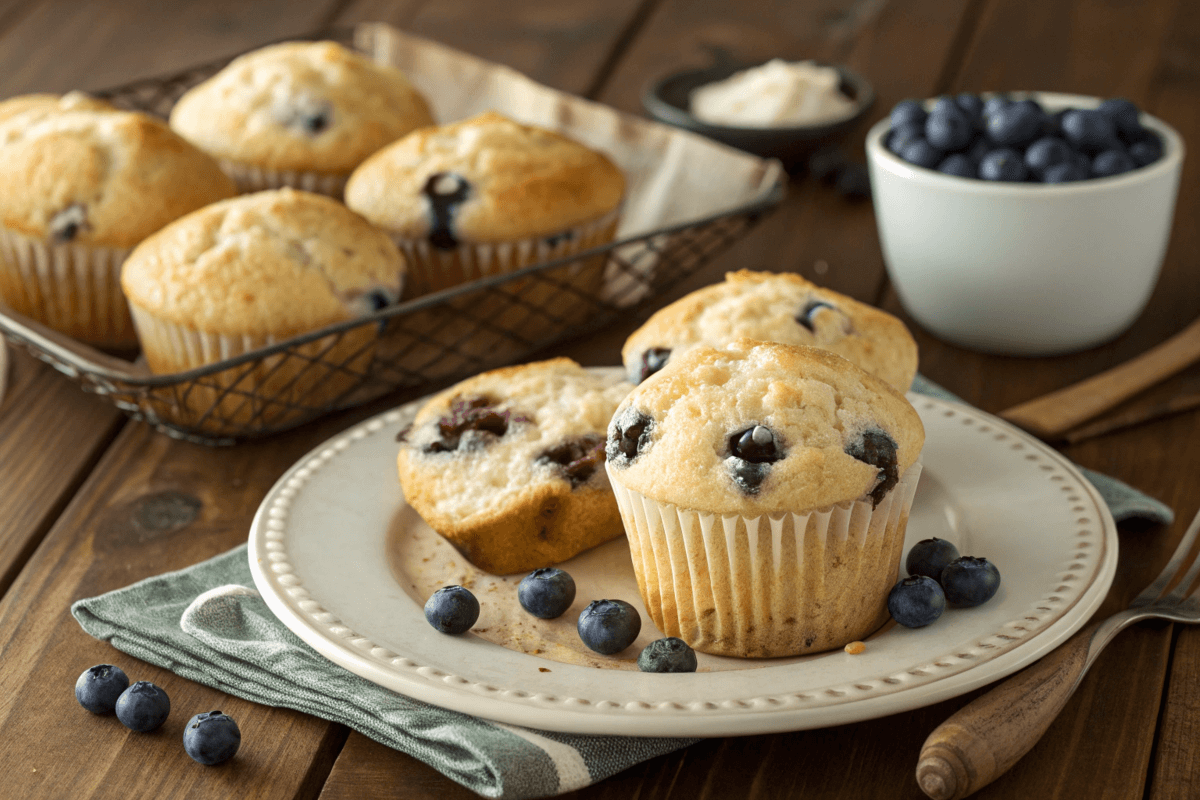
{"x":1124,"y":116}
{"x":628,"y":436}
{"x":1112,"y":162}
{"x":959,"y":165}
{"x":99,"y":687}
{"x":609,"y":626}
{"x":901,"y":136}
{"x":1066,"y":173}
{"x":667,"y":655}
{"x":947,"y":128}
{"x":143,"y":707}
{"x":922,"y":153}
{"x":211,"y":738}
{"x":1053,"y":124}
{"x":916,"y":601}
{"x":993,"y":104}
{"x":1004,"y":164}
{"x":906,"y":112}
{"x":929,"y":557}
{"x":1146,"y":150}
{"x":452,"y":609}
{"x":654,"y":359}
{"x":971,"y":105}
{"x":1089,"y":130}
{"x":1015,"y":125}
{"x":970,"y":581}
{"x":1045,"y":153}
{"x":978,"y":149}
{"x":853,"y":182}
{"x":826,"y":163}
{"x":546,"y":593}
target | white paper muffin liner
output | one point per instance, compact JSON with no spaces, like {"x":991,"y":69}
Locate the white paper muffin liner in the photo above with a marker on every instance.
{"x":71,"y":287}
{"x":270,"y":391}
{"x":252,"y":178}
{"x":767,"y":586}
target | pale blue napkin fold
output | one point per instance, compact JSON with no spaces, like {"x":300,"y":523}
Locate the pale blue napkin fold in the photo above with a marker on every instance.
{"x":207,"y":624}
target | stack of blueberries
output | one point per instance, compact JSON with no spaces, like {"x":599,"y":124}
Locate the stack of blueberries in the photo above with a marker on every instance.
{"x":1004,"y":139}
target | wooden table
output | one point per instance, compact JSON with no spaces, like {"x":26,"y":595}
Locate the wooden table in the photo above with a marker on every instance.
{"x":90,"y":502}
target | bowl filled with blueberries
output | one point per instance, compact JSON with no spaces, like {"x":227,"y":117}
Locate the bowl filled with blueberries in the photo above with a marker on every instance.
{"x":1024,"y":223}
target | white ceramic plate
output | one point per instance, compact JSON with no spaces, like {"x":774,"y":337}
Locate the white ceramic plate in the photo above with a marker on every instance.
{"x":328,"y":552}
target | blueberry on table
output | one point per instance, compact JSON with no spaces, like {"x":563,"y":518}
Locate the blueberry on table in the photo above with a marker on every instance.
{"x":452,"y":609}
{"x":99,"y":687}
{"x":948,"y":129}
{"x":609,"y":626}
{"x":916,"y":601}
{"x":1016,"y":124}
{"x":667,"y":655}
{"x":922,"y":153}
{"x":853,"y":182}
{"x":211,"y":738}
{"x":1004,"y":164}
{"x":970,"y":581}
{"x":907,"y":111}
{"x":1089,"y":130}
{"x":1065,"y":173}
{"x":1112,"y":162}
{"x":1045,"y":153}
{"x":143,"y":707}
{"x":546,"y":593}
{"x":929,"y":557}
{"x":959,"y":165}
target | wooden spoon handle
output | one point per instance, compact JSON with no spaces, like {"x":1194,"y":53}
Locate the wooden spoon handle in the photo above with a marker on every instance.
{"x":1052,"y":414}
{"x":986,"y":737}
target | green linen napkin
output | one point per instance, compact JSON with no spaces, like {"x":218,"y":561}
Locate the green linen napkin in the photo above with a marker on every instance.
{"x":205,"y":623}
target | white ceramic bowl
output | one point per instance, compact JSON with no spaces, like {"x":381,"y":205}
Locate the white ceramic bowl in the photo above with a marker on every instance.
{"x":1025,"y":268}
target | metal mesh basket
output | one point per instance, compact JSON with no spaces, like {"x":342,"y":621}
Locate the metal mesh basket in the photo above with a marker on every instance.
{"x":407,"y":349}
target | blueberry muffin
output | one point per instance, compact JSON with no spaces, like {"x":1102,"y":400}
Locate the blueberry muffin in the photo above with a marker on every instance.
{"x":507,"y":465}
{"x":488,"y":196}
{"x":81,"y":183}
{"x":299,"y":114}
{"x":246,"y":273}
{"x":770,"y":307}
{"x":765,"y":491}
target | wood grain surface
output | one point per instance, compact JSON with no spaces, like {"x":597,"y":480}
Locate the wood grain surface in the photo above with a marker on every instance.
{"x":90,"y":502}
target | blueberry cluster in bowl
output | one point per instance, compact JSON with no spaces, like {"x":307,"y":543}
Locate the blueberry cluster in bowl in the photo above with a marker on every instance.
{"x":999,"y":138}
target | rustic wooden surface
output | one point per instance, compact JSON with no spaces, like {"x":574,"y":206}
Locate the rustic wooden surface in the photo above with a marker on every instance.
{"x":89,"y":502}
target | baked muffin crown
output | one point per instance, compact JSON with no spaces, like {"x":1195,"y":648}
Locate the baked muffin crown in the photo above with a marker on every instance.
{"x":272,"y":263}
{"x":485,"y":179}
{"x":75,"y":169}
{"x":313,"y":106}
{"x":763,"y":428}
{"x":777,"y":307}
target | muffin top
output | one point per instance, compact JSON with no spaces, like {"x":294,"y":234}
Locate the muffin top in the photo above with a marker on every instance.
{"x":485,"y":179}
{"x":313,"y":106}
{"x":770,"y":307}
{"x":492,"y":440}
{"x":75,"y":169}
{"x":762,"y":428}
{"x":276,"y":263}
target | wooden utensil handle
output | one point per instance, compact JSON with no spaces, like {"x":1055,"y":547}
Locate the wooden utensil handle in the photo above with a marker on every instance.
{"x":1052,"y":414}
{"x":986,"y":737}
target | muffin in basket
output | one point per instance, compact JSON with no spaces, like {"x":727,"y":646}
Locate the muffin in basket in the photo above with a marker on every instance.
{"x":765,"y":491}
{"x":771,"y":307}
{"x":488,"y":196}
{"x":81,"y":183}
{"x":246,"y":273}
{"x":507,"y":465}
{"x":299,"y":114}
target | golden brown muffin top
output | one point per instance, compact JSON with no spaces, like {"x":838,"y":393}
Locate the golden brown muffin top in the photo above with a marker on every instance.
{"x":275,"y":263}
{"x":311,"y":106}
{"x":75,"y":169}
{"x":762,"y":428}
{"x":484,"y":179}
{"x":771,"y":307}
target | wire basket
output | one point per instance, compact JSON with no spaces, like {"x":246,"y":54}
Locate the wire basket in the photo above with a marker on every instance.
{"x":407,"y":349}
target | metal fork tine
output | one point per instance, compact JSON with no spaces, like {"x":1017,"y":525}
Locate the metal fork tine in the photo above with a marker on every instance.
{"x":1179,"y":559}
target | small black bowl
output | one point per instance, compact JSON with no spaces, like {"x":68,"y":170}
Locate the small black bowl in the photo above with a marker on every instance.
{"x":668,"y":100}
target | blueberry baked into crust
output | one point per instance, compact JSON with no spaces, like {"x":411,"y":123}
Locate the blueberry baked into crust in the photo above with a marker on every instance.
{"x":771,"y":307}
{"x":508,"y":465}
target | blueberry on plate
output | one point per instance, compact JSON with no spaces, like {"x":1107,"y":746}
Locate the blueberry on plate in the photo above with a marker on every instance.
{"x":970,"y":581}
{"x":667,"y":655}
{"x":99,"y":687}
{"x":143,"y":707}
{"x":929,"y":557}
{"x":211,"y":738}
{"x":452,"y":609}
{"x":609,"y":626}
{"x":916,"y":601}
{"x":1004,"y":164}
{"x":546,"y":593}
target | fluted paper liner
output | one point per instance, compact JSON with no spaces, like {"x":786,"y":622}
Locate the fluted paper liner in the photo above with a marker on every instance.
{"x":252,"y":178}
{"x":73,"y":288}
{"x":771,"y":585}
